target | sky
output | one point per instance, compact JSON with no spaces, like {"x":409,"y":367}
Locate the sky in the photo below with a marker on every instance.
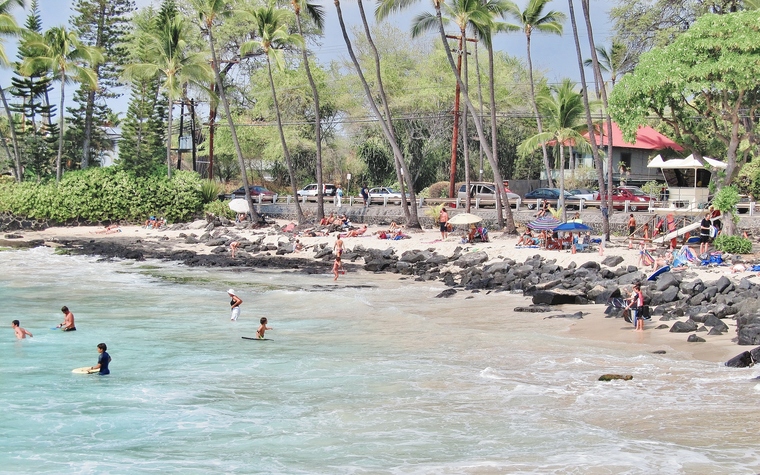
{"x":553,"y":55}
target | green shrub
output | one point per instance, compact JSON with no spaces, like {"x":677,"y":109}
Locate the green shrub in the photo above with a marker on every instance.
{"x":103,"y":194}
{"x":210,"y":191}
{"x":439,"y":190}
{"x":733,"y":244}
{"x":219,"y":208}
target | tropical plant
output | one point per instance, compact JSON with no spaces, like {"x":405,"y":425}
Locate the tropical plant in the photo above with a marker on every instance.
{"x":533,"y":19}
{"x":170,"y":57}
{"x":208,"y":12}
{"x":271,"y":26}
{"x":733,"y":244}
{"x":60,"y":52}
{"x":317,"y":15}
{"x":615,"y":61}
{"x":562,"y":109}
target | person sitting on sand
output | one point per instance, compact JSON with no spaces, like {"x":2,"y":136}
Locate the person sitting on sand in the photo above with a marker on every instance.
{"x":298,"y":247}
{"x":394,"y":227}
{"x":327,"y":220}
{"x":150,"y":223}
{"x":471,"y":234}
{"x":663,"y":260}
{"x":110,"y":229}
{"x":357,"y":232}
{"x":526,"y":239}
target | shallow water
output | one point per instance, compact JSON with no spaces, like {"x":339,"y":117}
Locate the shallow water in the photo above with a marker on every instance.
{"x":369,"y":375}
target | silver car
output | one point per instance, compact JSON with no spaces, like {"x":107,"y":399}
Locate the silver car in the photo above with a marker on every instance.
{"x":485,"y":192}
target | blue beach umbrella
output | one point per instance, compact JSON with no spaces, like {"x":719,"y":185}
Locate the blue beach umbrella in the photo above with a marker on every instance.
{"x":547,"y":223}
{"x":572,"y":227}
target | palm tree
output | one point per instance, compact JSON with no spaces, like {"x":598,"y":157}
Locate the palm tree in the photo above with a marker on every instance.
{"x":402,"y":170}
{"x":615,"y":61}
{"x":317,"y":15}
{"x":208,"y":12}
{"x":530,"y":19}
{"x":60,"y":52}
{"x":589,"y":124}
{"x":562,"y":109}
{"x":171,"y":59}
{"x":8,"y":27}
{"x":385,"y":8}
{"x":272,"y":27}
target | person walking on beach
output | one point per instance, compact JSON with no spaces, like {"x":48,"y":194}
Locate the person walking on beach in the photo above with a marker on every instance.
{"x":68,"y":320}
{"x":443,"y":222}
{"x":365,"y":195}
{"x":631,"y":225}
{"x":338,"y":246}
{"x":635,"y":306}
{"x":21,"y":333}
{"x":262,"y":328}
{"x":234,"y":305}
{"x":104,"y":359}
{"x":339,"y":197}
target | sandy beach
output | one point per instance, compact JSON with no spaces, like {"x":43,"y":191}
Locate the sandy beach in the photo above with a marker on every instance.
{"x":594,"y":324}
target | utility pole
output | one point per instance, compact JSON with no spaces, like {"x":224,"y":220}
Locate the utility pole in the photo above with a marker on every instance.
{"x":455,"y":132}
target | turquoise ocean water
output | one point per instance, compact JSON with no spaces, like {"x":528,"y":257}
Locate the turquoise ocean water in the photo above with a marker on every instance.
{"x":371,"y":375}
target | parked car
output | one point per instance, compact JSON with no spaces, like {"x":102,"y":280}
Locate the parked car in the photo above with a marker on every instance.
{"x":379,"y":193}
{"x":553,"y":195}
{"x":585,"y":194}
{"x":310,"y":190}
{"x":485,"y":191}
{"x":256,"y":191}
{"x":639,"y":200}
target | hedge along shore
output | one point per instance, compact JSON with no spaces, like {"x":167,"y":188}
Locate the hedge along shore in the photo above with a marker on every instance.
{"x":496,"y":268}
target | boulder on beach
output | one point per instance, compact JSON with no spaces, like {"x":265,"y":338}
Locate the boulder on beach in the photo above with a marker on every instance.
{"x":558,"y":297}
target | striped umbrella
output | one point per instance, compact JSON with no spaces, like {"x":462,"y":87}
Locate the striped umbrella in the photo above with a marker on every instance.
{"x":544,"y":223}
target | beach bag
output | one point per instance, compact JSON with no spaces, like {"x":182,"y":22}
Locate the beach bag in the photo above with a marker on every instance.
{"x":645,"y":313}
{"x":713,"y":232}
{"x":716,"y":258}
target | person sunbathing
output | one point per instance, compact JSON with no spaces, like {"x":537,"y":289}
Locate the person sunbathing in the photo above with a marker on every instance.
{"x":110,"y":229}
{"x":357,"y":232}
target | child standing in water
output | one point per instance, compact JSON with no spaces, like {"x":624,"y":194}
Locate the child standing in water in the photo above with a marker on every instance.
{"x":337,"y":266}
{"x":262,"y":328}
{"x":103,"y":360}
{"x":21,"y":333}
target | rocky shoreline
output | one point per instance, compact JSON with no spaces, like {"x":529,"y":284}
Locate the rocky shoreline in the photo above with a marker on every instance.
{"x":698,"y":308}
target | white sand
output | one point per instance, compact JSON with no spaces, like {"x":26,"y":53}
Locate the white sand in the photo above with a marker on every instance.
{"x":593,"y":326}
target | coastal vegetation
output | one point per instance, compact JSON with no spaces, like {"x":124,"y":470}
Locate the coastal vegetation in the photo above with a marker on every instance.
{"x":231,"y":91}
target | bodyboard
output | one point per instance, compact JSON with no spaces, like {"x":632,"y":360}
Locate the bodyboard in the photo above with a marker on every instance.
{"x":254,"y":338}
{"x":85,"y":370}
{"x":659,"y":271}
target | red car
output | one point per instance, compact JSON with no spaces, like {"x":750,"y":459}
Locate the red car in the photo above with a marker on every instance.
{"x":639,"y":201}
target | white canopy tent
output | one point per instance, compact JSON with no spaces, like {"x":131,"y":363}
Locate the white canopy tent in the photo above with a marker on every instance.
{"x":679,"y":195}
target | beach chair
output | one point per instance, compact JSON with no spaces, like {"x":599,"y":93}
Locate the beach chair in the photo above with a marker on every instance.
{"x":584,"y":244}
{"x":645,"y":258}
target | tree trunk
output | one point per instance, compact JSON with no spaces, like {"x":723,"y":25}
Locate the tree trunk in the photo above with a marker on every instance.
{"x":169,"y":138}
{"x":589,"y":123}
{"x":465,"y":142}
{"x":14,"y":139}
{"x":233,"y":132}
{"x":562,"y":203}
{"x":288,"y":161}
{"x":317,"y":125}
{"x":60,"y":130}
{"x":510,"y":225}
{"x":402,"y":170}
{"x":603,"y":90}
{"x":90,"y":105}
{"x":476,"y":119}
{"x":539,"y":123}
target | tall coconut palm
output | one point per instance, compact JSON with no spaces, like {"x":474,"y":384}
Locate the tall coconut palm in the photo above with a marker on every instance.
{"x":171,"y":58}
{"x":317,"y":15}
{"x":9,"y":27}
{"x":402,"y":171}
{"x":533,"y":19}
{"x":562,"y":109}
{"x":614,"y":61}
{"x":385,"y":8}
{"x":271,"y":26}
{"x":589,"y":123}
{"x":209,"y":11}
{"x":60,"y":52}
{"x":603,"y":90}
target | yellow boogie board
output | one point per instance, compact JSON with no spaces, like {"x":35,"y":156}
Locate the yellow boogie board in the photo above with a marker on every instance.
{"x":85,"y":370}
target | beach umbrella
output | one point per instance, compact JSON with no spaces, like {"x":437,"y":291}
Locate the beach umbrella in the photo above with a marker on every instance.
{"x":572,"y":227}
{"x":547,"y":223}
{"x":465,"y":218}
{"x":239,"y":205}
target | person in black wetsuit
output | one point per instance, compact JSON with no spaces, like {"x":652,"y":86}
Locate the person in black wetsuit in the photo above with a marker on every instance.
{"x":103,"y":360}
